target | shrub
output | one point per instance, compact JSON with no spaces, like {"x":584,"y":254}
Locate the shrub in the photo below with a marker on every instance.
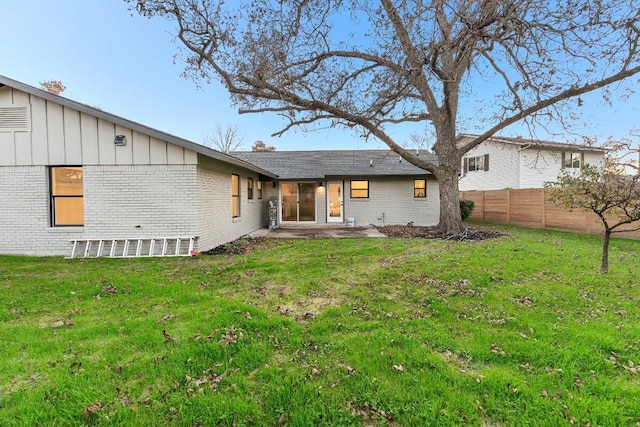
{"x":466,"y":207}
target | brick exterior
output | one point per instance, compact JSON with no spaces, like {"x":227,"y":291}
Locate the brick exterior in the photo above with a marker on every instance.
{"x":215,"y":222}
{"x":119,"y":202}
{"x":393,"y":197}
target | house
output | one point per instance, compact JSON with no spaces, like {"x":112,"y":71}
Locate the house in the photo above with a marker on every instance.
{"x":368,"y":186}
{"x":73,"y":174}
{"x":69,"y":171}
{"x":517,"y":163}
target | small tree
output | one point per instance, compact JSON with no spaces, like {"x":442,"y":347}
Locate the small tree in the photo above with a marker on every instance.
{"x":611,"y":195}
{"x":261,"y":146}
{"x":224,"y":139}
{"x":55,"y":87}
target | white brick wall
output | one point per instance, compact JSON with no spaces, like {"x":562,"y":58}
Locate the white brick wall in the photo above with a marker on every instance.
{"x":119,"y":201}
{"x":24,"y":214}
{"x":140,"y":201}
{"x":214,"y":205}
{"x":393,"y":197}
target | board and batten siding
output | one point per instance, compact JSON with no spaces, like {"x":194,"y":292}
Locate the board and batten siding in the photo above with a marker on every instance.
{"x":58,"y":135}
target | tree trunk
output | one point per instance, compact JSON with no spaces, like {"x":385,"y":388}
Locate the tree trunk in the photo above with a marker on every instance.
{"x":450,"y":218}
{"x":604,"y":265}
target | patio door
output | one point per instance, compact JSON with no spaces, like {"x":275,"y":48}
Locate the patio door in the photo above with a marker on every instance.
{"x":298,"y":201}
{"x":335,"y":211}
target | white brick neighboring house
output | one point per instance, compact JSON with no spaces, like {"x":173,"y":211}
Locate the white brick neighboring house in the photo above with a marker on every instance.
{"x":501,"y":163}
{"x":62,"y":177}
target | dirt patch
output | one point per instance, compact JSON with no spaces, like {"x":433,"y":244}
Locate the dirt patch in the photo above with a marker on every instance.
{"x":410,"y":231}
{"x":238,"y":247}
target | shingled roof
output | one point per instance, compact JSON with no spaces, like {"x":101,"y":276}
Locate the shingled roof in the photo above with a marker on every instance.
{"x":300,"y":165}
{"x":536,"y":143}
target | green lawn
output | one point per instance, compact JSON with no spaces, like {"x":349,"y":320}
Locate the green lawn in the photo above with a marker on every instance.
{"x":518,"y":331}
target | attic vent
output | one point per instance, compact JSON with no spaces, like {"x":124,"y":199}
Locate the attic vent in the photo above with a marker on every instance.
{"x":14,"y":118}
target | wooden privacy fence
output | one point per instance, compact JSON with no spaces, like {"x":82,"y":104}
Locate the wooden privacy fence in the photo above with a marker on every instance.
{"x":532,"y":208}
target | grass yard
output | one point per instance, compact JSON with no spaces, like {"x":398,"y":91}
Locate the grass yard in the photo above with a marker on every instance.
{"x":518,"y":331}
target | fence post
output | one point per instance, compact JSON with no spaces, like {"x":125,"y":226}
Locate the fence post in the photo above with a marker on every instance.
{"x":509,"y":206}
{"x":544,"y":207}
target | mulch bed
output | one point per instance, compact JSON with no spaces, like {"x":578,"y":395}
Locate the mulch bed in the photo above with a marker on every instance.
{"x":410,"y":231}
{"x":245,"y":245}
{"x":237,"y":247}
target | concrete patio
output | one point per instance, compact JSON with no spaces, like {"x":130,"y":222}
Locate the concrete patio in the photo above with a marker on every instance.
{"x":325,"y":231}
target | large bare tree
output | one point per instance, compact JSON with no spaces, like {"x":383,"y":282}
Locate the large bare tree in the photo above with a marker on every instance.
{"x":372,"y":65}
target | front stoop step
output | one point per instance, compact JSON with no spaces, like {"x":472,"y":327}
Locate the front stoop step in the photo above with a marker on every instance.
{"x":132,"y":248}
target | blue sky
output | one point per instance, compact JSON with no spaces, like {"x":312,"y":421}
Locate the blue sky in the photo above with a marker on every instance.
{"x":124,"y":64}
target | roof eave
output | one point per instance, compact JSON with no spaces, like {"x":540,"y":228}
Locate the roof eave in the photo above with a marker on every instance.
{"x":189,"y":145}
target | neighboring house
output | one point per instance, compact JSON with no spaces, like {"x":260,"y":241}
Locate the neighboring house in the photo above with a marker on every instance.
{"x":69,"y":171}
{"x":517,"y":163}
{"x":369,"y":186}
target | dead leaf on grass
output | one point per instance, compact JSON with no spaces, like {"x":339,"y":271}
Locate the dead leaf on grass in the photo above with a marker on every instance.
{"x":283,"y":310}
{"x":347,"y":368}
{"x":166,"y":318}
{"x":230,"y":336}
{"x":208,"y":378}
{"x":92,"y":409}
{"x":61,"y":323}
{"x":167,"y":337}
{"x":282,"y":419}
{"x":109,"y":289}
{"x":495,"y":348}
{"x":524,"y":300}
{"x":75,"y":368}
{"x":369,"y":413}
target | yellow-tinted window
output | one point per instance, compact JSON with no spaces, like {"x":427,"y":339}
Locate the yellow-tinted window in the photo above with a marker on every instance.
{"x":235,"y":196}
{"x":67,"y":203}
{"x":359,"y":189}
{"x":419,"y":188}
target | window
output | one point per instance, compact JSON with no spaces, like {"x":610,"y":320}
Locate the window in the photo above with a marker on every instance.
{"x":235,"y":196}
{"x":572,"y":160}
{"x":477,"y":163}
{"x":259,"y":187}
{"x":67,"y":203}
{"x":249,"y":188}
{"x":419,"y":188}
{"x":359,"y":189}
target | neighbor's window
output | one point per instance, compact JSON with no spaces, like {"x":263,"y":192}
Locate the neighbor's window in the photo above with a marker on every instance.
{"x":249,"y":188}
{"x":571,"y":160}
{"x":359,"y":189}
{"x":419,"y":188}
{"x":475,"y":163}
{"x":235,"y":196}
{"x":67,"y":203}
{"x":259,"y":188}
